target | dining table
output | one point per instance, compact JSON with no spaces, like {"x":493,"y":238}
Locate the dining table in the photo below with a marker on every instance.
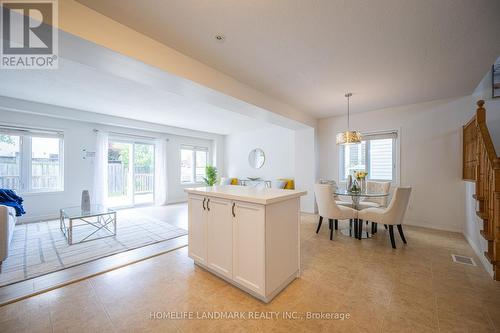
{"x":356,"y":197}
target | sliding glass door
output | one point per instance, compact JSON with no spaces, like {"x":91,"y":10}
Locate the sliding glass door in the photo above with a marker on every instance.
{"x":130,"y":173}
{"x":144,"y":176}
{"x":120,"y":161}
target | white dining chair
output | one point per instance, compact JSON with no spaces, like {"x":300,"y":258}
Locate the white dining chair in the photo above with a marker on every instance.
{"x":377,"y":202}
{"x":375,"y":187}
{"x":393,"y":215}
{"x":329,"y":209}
{"x":338,"y":200}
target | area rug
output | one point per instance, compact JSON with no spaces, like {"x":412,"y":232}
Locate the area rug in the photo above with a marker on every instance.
{"x":41,"y":248}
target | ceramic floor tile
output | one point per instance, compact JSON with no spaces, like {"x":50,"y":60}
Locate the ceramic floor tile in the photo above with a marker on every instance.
{"x":452,"y":322}
{"x":415,"y":288}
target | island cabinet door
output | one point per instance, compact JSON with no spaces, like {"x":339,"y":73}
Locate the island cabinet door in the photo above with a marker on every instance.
{"x":220,"y":236}
{"x":249,"y":246}
{"x":197,"y":224}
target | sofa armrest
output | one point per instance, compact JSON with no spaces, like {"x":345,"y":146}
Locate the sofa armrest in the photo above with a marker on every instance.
{"x":4,"y":232}
{"x":4,"y":216}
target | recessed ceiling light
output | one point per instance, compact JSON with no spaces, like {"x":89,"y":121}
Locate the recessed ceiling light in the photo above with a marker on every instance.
{"x":220,"y":38}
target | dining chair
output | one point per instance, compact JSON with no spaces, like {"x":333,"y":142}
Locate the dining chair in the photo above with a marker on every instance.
{"x":378,"y":202}
{"x":376,"y":187}
{"x":338,"y":200}
{"x":393,"y":215}
{"x":329,"y":209}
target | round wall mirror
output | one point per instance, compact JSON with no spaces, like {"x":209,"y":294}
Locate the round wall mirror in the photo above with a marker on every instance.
{"x":256,"y":158}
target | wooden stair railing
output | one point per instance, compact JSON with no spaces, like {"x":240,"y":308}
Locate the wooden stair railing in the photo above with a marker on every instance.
{"x":482,"y":165}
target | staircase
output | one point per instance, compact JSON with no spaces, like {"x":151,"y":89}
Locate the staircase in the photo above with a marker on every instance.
{"x":482,"y":166}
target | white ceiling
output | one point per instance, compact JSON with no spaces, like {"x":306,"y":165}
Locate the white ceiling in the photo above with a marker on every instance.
{"x":309,"y":53}
{"x":81,"y":87}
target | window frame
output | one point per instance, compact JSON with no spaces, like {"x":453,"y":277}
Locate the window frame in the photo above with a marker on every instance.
{"x":26,"y":158}
{"x":369,"y":136}
{"x":193,"y":150}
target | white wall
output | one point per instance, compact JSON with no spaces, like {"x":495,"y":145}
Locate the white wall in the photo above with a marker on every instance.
{"x":430,"y":156}
{"x":305,"y":166}
{"x":483,"y":91}
{"x":78,"y":173}
{"x":278,"y":145}
{"x":289,"y":154}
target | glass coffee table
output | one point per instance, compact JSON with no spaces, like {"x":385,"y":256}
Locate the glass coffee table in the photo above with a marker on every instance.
{"x":96,"y":223}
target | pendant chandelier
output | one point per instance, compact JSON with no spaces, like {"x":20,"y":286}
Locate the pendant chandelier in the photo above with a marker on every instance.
{"x":348,"y":137}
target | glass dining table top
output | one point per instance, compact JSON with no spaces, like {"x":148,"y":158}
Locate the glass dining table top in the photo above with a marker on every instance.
{"x":361,"y":194}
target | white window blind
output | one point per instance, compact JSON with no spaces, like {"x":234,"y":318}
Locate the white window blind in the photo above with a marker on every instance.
{"x":375,"y":155}
{"x":381,"y":163}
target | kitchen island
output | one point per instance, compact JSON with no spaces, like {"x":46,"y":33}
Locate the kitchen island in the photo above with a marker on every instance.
{"x":248,"y":236}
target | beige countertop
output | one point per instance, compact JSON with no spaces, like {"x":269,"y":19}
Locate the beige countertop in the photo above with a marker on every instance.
{"x":263,"y":196}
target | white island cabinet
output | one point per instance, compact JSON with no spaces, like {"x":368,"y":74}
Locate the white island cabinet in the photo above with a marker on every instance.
{"x":250,"y":237}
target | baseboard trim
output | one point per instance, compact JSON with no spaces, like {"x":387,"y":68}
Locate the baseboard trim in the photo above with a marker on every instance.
{"x":31,"y":219}
{"x":480,"y":254}
{"x":176,"y":201}
{"x":55,"y":216}
{"x":423,"y":224}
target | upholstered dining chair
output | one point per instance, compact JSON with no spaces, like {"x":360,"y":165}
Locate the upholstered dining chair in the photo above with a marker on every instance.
{"x":329,"y":209}
{"x":380,"y":202}
{"x":338,"y":200}
{"x":376,"y":187}
{"x":393,"y":215}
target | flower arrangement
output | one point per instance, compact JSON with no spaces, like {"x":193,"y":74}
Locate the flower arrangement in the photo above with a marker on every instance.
{"x":360,"y":175}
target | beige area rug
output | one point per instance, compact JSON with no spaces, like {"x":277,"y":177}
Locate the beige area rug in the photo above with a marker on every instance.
{"x":41,"y":248}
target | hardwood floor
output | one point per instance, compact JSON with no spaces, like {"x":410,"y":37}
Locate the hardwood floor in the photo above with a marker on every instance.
{"x":174,"y":214}
{"x":416,"y":287}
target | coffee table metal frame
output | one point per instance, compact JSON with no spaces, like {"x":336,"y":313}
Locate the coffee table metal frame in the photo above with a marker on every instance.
{"x":104,"y":221}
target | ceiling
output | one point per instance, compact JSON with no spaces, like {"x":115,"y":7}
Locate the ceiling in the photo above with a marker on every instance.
{"x":101,"y":92}
{"x":309,"y":53}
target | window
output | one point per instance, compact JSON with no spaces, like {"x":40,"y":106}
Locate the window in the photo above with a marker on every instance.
{"x":31,"y":161}
{"x":131,"y":173}
{"x":375,"y":155}
{"x":201,"y":164}
{"x":10,"y":161}
{"x":193,"y":163}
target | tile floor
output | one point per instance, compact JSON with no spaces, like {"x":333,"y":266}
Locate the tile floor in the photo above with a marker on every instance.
{"x":415,"y":288}
{"x":27,"y":288}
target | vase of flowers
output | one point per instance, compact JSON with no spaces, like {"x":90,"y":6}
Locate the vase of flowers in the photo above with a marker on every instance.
{"x":355,"y":187}
{"x":360,"y":176}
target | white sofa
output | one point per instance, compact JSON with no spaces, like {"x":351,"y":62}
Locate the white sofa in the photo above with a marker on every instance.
{"x":7,"y":223}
